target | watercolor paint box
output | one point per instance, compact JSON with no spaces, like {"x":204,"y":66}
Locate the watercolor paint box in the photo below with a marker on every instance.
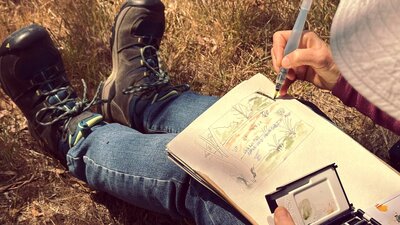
{"x":318,"y":198}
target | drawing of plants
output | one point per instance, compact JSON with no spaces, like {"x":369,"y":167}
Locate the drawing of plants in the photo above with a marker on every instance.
{"x":254,"y":135}
{"x":288,"y":128}
{"x":277,"y":145}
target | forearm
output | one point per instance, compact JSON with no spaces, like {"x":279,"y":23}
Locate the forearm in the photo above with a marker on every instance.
{"x":350,"y":97}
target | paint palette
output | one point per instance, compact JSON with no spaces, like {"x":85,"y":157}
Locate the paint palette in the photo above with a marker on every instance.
{"x":387,"y":211}
{"x":318,"y":198}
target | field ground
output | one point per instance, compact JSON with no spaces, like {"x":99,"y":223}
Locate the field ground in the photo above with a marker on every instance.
{"x":212,"y":45}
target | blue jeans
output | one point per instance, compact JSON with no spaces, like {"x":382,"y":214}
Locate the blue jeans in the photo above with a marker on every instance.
{"x":134,"y":167}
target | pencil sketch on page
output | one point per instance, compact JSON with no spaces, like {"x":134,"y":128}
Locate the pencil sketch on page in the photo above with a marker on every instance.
{"x":253,"y":137}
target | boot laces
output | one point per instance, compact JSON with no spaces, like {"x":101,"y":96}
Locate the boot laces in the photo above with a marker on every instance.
{"x":155,"y":68}
{"x":61,"y":108}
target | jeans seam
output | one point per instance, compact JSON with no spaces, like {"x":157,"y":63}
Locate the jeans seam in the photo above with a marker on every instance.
{"x":208,"y":212}
{"x":129,"y":175}
{"x":164,"y":129}
{"x":71,"y":157}
{"x":204,"y":202}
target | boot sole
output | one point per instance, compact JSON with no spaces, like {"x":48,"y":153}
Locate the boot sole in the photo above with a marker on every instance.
{"x":108,"y":90}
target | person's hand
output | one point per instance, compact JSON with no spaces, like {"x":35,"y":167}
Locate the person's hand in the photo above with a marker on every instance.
{"x":282,"y":217}
{"x":312,"y":61}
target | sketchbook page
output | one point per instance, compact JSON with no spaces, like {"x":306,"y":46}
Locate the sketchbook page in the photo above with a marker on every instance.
{"x":247,"y":145}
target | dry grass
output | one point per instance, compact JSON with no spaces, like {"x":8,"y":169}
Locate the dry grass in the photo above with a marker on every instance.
{"x":210,"y":44}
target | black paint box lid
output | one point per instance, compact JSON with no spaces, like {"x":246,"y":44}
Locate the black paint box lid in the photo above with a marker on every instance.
{"x":318,"y":198}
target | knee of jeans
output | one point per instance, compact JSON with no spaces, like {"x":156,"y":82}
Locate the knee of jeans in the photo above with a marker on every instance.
{"x":163,"y":195}
{"x":94,"y":143}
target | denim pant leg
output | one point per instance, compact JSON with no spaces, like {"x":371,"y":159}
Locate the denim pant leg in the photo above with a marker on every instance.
{"x":178,"y":114}
{"x":134,"y":167}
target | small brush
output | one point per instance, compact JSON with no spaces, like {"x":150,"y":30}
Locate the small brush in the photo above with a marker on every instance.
{"x":293,"y":41}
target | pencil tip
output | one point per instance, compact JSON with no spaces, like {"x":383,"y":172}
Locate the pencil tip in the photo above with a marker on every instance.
{"x":276,"y":93}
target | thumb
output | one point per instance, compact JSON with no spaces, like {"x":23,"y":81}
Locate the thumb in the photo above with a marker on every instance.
{"x":304,"y":57}
{"x":282,"y":217}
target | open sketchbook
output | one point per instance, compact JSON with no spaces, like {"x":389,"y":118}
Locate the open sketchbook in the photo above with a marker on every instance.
{"x":247,"y":145}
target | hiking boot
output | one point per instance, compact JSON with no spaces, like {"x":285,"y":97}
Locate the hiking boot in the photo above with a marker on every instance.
{"x":32,"y":74}
{"x":138,"y":87}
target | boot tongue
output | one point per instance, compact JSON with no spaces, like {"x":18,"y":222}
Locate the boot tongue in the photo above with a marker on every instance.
{"x":59,"y":97}
{"x":151,"y":58}
{"x":58,"y":104}
{"x":148,"y":28}
{"x":152,"y":62}
{"x":153,"y":65}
